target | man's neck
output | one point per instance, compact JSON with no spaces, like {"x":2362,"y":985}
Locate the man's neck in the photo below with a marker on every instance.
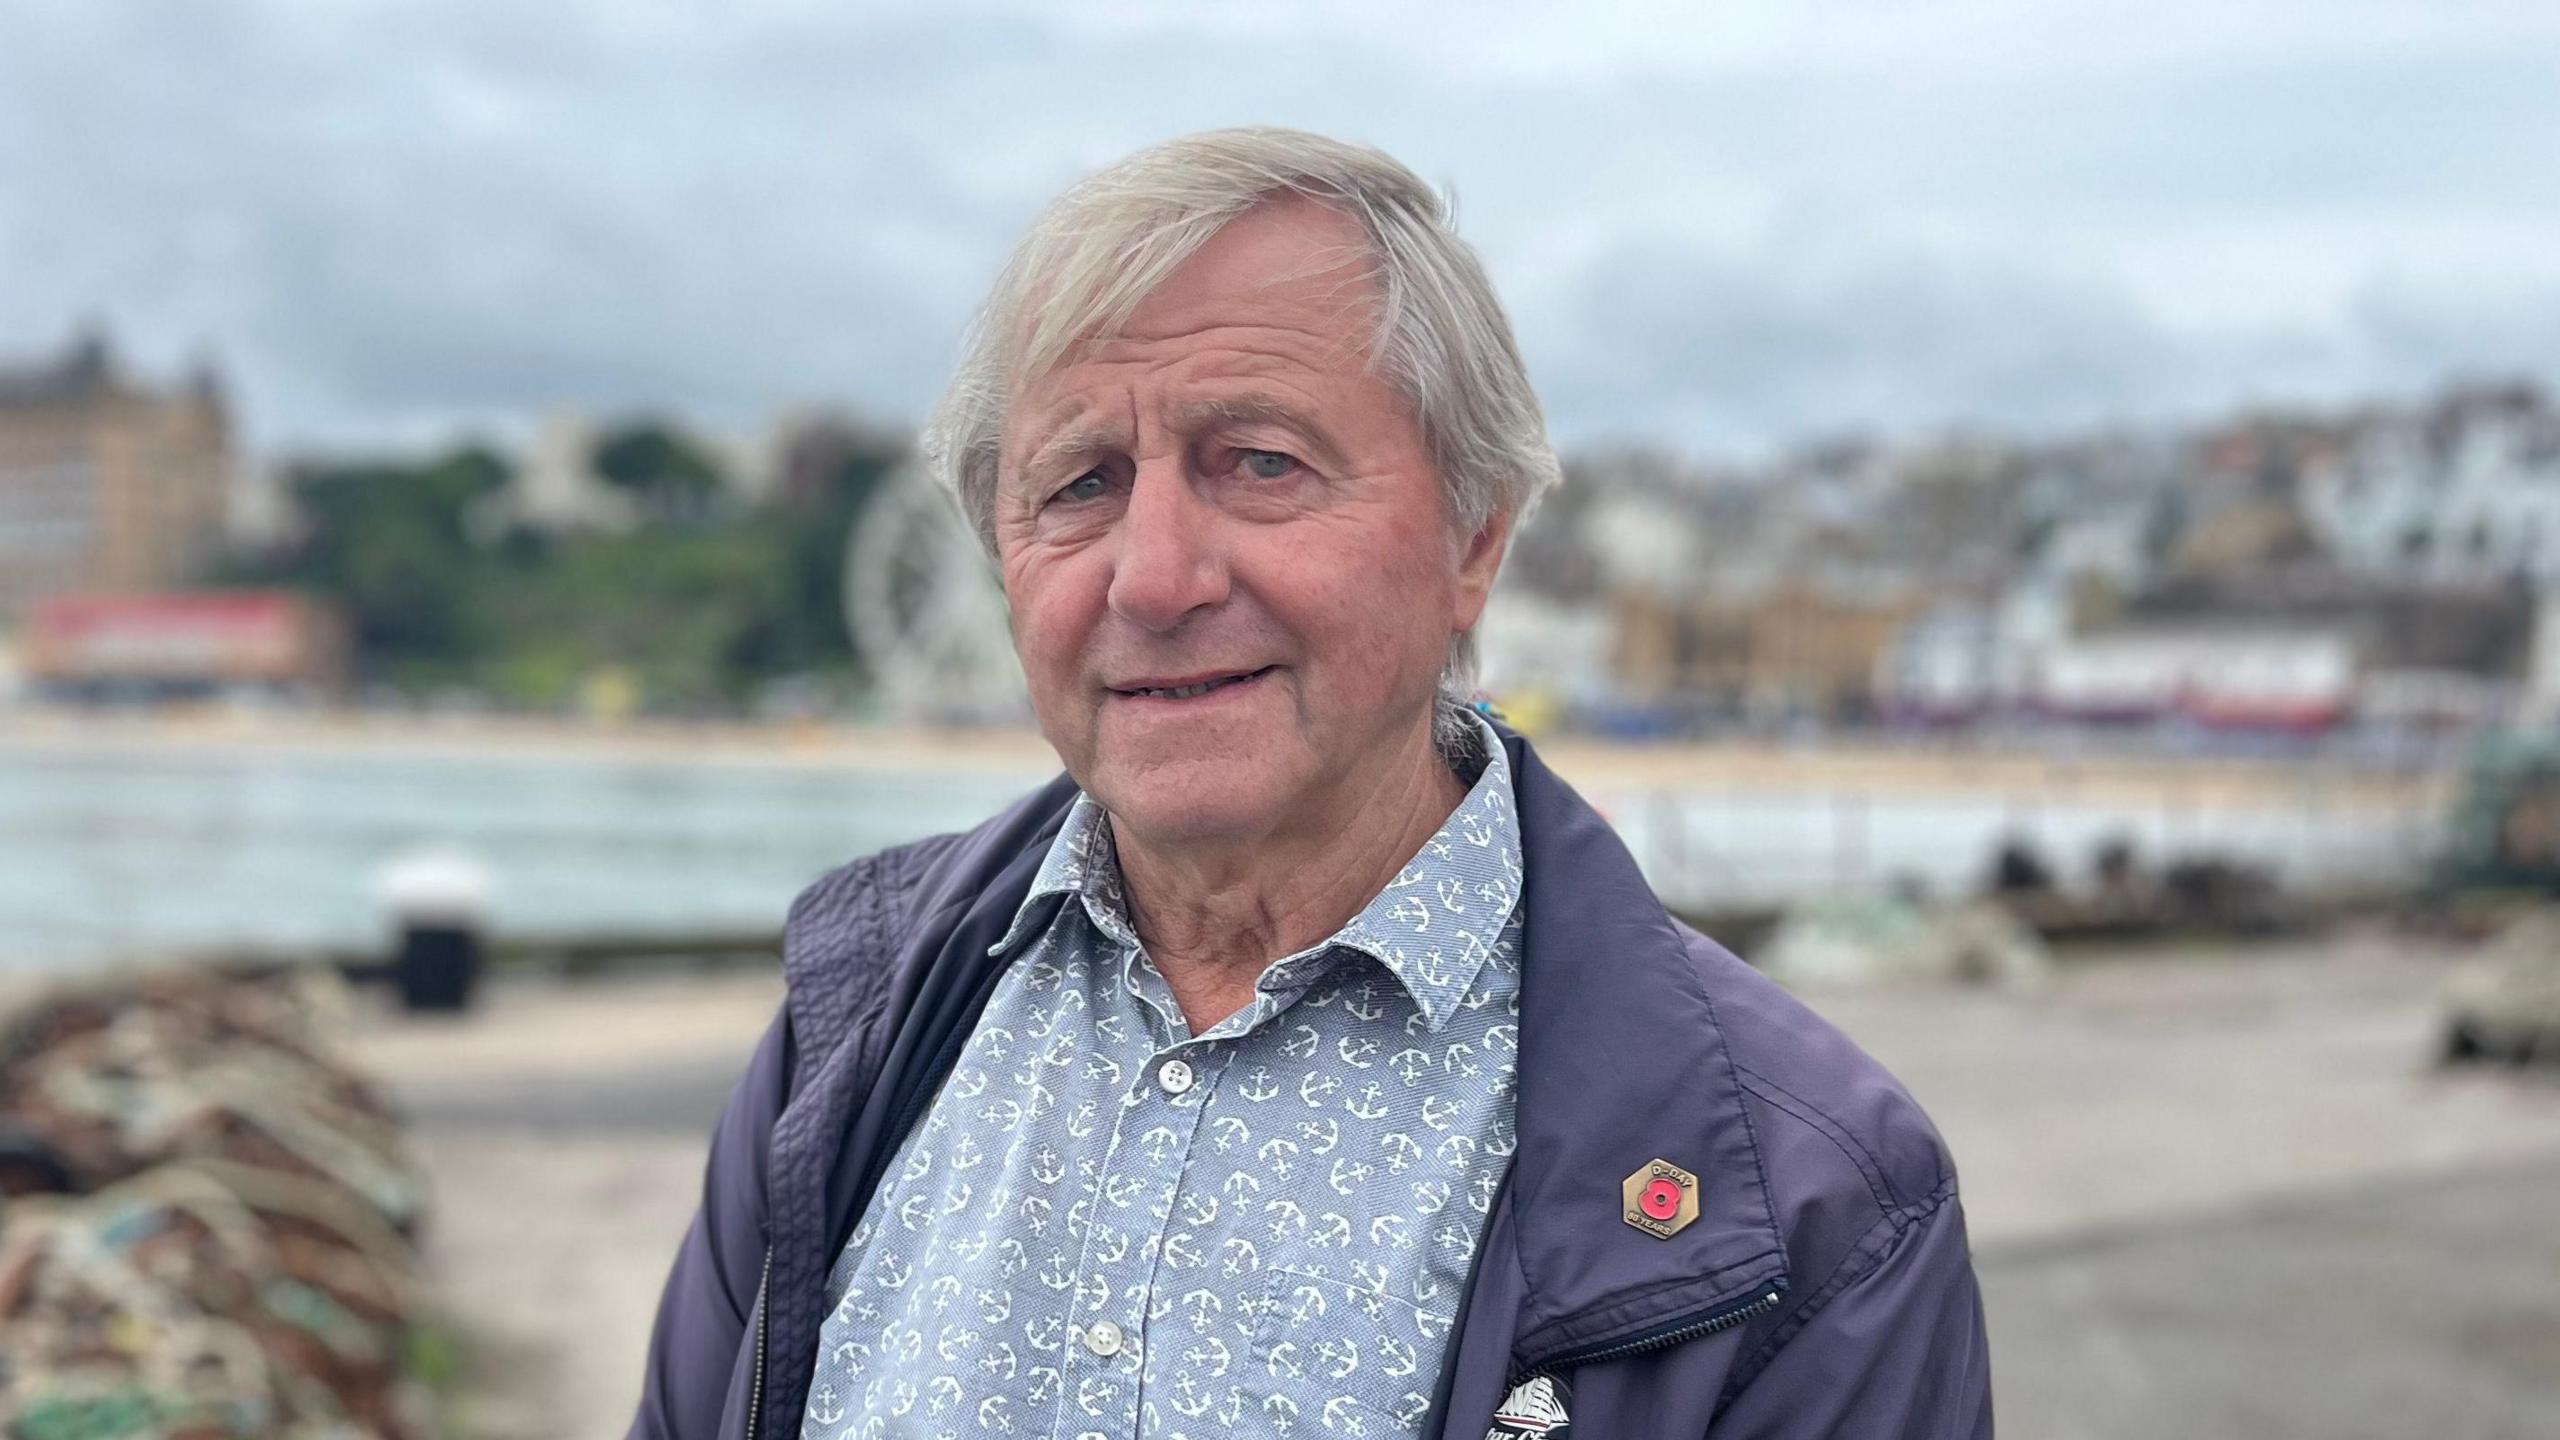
{"x":1214,"y":916}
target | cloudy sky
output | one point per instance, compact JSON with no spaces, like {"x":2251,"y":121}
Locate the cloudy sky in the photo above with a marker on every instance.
{"x":1721,"y":226}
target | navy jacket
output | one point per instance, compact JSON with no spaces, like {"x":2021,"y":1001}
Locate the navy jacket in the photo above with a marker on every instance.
{"x":1825,"y":1290}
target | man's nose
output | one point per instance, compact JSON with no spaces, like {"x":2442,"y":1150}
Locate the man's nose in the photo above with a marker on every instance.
{"x":1169,"y":563}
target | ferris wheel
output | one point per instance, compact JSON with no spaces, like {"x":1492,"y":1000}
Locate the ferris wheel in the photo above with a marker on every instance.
{"x":924,"y":607}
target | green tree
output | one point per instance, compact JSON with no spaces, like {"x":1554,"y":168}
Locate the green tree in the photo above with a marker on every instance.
{"x":702,"y":611}
{"x":390,"y":546}
{"x":673,"y":480}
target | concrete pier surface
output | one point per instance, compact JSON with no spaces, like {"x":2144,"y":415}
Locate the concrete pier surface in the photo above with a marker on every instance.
{"x":2213,"y":1191}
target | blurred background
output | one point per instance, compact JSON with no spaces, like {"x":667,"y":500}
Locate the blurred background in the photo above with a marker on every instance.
{"x":2060,"y":562}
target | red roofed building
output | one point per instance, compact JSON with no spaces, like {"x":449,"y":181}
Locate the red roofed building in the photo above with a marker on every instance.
{"x":182,"y":643}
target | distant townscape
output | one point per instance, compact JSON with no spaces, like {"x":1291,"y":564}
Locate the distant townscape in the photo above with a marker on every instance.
{"x":2386,"y":571}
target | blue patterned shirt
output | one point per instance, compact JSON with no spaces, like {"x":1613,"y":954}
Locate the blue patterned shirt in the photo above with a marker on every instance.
{"x":1107,"y":1227}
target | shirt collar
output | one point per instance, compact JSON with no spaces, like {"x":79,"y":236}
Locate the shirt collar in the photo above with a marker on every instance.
{"x":1081,"y":863}
{"x":1433,"y":927}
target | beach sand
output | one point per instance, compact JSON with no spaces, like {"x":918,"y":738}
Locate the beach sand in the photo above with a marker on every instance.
{"x":2053,"y":773}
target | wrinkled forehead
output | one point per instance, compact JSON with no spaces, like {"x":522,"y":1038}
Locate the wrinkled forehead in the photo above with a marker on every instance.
{"x":1298,"y":275}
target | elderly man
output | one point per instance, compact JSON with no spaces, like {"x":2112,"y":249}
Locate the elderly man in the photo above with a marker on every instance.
{"x":1308,"y":1059}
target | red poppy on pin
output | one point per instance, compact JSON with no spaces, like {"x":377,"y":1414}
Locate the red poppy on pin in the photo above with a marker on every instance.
{"x":1661,"y":1199}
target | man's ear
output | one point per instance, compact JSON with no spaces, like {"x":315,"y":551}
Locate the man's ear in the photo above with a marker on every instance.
{"x":1478,"y":562}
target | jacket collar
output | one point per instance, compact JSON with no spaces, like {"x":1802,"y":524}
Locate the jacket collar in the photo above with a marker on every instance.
{"x":1622,"y":1062}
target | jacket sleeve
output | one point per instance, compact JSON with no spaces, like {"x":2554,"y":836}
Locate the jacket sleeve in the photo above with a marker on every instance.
{"x":710,"y":1295}
{"x":1891,"y":1345}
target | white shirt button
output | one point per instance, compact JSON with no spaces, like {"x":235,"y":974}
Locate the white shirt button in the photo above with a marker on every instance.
{"x":1174,"y":1076}
{"x":1103,"y":1339}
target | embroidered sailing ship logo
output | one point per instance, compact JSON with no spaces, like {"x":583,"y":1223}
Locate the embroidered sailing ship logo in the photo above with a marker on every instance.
{"x":1536,"y":1407}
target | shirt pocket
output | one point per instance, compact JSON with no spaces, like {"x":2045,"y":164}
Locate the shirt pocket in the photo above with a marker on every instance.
{"x":1335,"y":1357}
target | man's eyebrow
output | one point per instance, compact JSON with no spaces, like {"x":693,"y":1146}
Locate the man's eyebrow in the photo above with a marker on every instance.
{"x":1190,"y":417}
{"x":1075,"y":439}
{"x":1193,"y":416}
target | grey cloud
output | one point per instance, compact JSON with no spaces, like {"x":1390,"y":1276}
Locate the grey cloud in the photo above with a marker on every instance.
{"x":389,"y":216}
{"x":2447,"y":325}
{"x":1812,"y":332}
{"x":1720,"y":350}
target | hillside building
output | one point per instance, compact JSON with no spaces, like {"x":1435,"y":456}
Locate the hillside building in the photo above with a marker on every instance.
{"x":107,"y":485}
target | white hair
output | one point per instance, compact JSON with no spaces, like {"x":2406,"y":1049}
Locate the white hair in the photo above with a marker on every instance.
{"x":1103,"y":247}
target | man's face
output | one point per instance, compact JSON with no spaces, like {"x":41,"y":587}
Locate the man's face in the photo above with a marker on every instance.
{"x":1224,"y":497}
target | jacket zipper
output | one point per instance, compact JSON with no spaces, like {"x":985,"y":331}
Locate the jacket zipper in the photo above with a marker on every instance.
{"x":755,"y":1393}
{"x":1661,"y":1337}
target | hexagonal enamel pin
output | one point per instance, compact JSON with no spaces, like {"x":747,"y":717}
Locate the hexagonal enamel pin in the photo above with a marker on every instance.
{"x":1661,"y":1199}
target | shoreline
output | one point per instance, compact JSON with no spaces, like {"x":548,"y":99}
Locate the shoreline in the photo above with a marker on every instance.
{"x":778,"y":744}
{"x":1742,"y":764}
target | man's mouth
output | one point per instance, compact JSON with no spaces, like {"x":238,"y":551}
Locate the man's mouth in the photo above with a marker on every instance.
{"x":1185,"y":688}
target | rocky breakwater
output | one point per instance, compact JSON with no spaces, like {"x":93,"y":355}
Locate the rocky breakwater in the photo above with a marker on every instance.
{"x":208,"y":1223}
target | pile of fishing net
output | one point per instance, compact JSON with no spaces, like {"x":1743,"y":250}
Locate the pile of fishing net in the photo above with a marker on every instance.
{"x":206,"y":1224}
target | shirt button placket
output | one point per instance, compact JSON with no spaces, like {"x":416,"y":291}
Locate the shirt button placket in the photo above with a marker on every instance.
{"x":1167,"y":1105}
{"x":1154,"y":1135}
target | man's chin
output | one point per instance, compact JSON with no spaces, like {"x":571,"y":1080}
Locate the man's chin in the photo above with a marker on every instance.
{"x":1206,"y":799}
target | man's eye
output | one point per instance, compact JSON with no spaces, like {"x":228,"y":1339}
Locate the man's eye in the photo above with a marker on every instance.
{"x":1087,"y":486}
{"x":1268,"y":464}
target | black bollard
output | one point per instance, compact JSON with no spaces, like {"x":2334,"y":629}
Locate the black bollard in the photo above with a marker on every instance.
{"x":438,"y":965}
{"x":437,"y":902}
